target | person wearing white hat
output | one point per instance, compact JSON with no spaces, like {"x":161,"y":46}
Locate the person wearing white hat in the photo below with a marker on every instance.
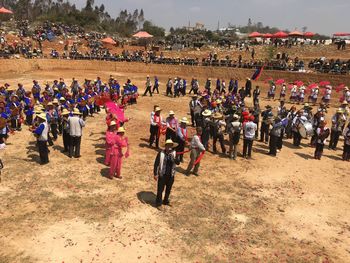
{"x":171,"y":125}
{"x":164,"y":172}
{"x":76,"y":125}
{"x":156,"y":124}
{"x":41,"y":132}
{"x":182,"y":137}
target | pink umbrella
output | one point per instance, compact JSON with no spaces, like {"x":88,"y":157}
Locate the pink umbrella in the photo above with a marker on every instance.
{"x":313,"y":85}
{"x":298,"y":83}
{"x":3,"y":10}
{"x":290,"y":86}
{"x":280,"y":81}
{"x":324,"y":83}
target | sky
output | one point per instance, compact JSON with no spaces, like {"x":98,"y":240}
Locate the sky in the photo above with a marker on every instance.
{"x":320,"y":16}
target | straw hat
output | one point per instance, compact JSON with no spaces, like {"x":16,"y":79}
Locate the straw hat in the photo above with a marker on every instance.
{"x":62,"y":99}
{"x":50,"y":104}
{"x":206,"y":113}
{"x":112,"y":123}
{"x":340,"y":111}
{"x":121,"y":130}
{"x":184,"y":120}
{"x":217,"y":115}
{"x":235,"y":117}
{"x":344,"y":102}
{"x":76,"y":112}
{"x":171,"y":112}
{"x":65,"y":112}
{"x":157,"y":109}
{"x":169,"y":142}
{"x":42,"y":116}
{"x":346,"y":88}
{"x":218,"y":101}
{"x":10,"y":88}
{"x":55,"y":101}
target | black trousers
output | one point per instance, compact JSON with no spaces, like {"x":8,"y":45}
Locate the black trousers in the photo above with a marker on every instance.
{"x":43,"y":152}
{"x":319,"y":150}
{"x":280,"y":141}
{"x":169,"y":91}
{"x":170,"y":134}
{"x":247,"y":147}
{"x":334,"y":139}
{"x":219,"y":137}
{"x":296,"y":138}
{"x":166,"y":182}
{"x":346,"y":152}
{"x":154,"y":135}
{"x":264,"y":132}
{"x":273,"y":145}
{"x":180,"y":148}
{"x":54,"y":131}
{"x":148,"y":89}
{"x":156,"y":88}
{"x":66,"y":140}
{"x":74,"y":146}
{"x":29,"y":119}
{"x":15,"y":124}
{"x":205,"y":138}
{"x":195,"y":91}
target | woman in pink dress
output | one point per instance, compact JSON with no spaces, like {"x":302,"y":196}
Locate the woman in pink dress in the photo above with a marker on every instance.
{"x":111,"y":136}
{"x":117,"y":154}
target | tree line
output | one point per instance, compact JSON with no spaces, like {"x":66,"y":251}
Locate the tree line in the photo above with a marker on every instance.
{"x":90,"y":17}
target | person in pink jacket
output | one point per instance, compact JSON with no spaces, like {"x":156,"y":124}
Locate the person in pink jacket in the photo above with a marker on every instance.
{"x":117,"y":154}
{"x":111,"y":136}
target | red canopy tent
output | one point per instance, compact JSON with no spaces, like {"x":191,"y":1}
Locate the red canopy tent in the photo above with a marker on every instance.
{"x":280,"y":34}
{"x":341,"y":34}
{"x":255,"y":34}
{"x":108,"y":40}
{"x":295,"y":34}
{"x":309,"y":34}
{"x":3,"y":10}
{"x":142,"y":34}
{"x":268,"y":35}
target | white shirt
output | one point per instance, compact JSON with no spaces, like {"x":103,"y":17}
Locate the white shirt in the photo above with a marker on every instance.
{"x":249,"y":130}
{"x":76,"y":125}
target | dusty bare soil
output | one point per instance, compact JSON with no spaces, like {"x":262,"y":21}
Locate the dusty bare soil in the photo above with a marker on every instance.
{"x":286,"y":209}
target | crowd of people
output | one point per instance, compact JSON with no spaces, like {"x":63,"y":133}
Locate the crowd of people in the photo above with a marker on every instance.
{"x":335,"y":66}
{"x":58,"y":109}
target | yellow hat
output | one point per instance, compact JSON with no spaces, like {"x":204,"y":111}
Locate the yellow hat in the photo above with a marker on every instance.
{"x":42,"y":116}
{"x":121,"y":130}
{"x":217,"y":115}
{"x":157,"y":109}
{"x":55,"y":101}
{"x":76,"y":112}
{"x":171,"y":112}
{"x":112,"y":123}
{"x":65,"y":112}
{"x":184,"y":120}
{"x":169,"y":141}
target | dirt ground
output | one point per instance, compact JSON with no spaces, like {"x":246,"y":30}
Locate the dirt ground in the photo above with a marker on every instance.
{"x":286,"y":209}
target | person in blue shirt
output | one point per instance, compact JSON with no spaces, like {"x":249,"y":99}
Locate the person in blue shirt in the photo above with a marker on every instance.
{"x":41,"y":133}
{"x":156,"y":85}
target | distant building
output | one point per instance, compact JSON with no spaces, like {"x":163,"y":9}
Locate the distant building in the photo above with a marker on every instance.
{"x":198,"y":26}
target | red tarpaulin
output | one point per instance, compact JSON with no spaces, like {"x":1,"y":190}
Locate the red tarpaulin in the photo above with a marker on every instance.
{"x":280,"y":34}
{"x":295,"y":34}
{"x":268,"y":35}
{"x":309,"y":34}
{"x":3,"y":10}
{"x":108,"y":40}
{"x":142,"y":34}
{"x":255,"y":34}
{"x":341,"y":34}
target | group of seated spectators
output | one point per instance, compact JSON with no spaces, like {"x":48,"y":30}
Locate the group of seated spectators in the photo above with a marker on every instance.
{"x":335,"y":66}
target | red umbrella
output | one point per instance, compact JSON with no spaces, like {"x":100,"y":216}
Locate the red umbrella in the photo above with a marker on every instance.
{"x":324,"y":83}
{"x":268,"y":35}
{"x":295,"y":34}
{"x":142,"y":34}
{"x":3,"y":10}
{"x":309,"y":34}
{"x":341,"y":34}
{"x":280,"y":81}
{"x":298,"y":83}
{"x":313,"y":85}
{"x":280,"y":34}
{"x":339,"y":88}
{"x":255,"y":34}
